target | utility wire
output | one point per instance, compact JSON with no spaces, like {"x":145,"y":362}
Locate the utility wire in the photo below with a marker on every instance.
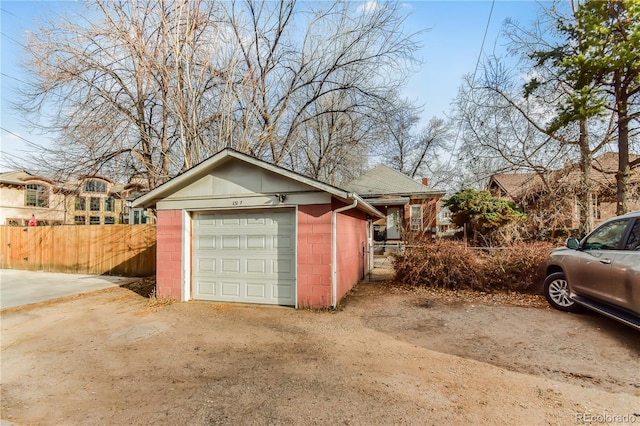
{"x":473,"y":80}
{"x":20,"y":137}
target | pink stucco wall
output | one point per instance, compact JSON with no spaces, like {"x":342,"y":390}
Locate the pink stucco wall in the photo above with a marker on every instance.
{"x":351,"y":233}
{"x":314,"y":256}
{"x":169,"y":255}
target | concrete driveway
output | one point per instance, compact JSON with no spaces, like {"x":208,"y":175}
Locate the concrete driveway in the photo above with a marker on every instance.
{"x":18,"y":288}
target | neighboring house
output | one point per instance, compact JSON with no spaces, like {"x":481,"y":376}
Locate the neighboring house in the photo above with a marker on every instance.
{"x":446,"y":227}
{"x":91,"y":200}
{"x":408,"y":206}
{"x":238,"y":229}
{"x":553,"y":196}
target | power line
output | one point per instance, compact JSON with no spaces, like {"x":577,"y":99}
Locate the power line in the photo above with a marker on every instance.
{"x":473,"y":80}
{"x":20,"y":137}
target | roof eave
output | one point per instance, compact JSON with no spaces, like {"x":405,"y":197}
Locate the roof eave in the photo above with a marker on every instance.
{"x":367,"y":208}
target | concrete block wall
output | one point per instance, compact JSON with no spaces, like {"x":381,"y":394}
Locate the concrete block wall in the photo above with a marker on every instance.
{"x":169,"y":255}
{"x":314,"y":256}
{"x":351,"y":233}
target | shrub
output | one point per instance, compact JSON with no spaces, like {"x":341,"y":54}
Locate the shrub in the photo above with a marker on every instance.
{"x":449,"y":264}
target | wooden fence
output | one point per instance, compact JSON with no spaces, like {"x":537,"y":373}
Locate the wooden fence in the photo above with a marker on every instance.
{"x":124,"y":250}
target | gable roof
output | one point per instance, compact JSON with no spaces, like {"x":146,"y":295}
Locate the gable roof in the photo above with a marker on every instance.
{"x":193,"y":174}
{"x":603,"y":174}
{"x":383,"y":180}
{"x":515,"y":184}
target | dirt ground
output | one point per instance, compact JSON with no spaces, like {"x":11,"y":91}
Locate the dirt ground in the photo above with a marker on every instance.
{"x":389,"y":355}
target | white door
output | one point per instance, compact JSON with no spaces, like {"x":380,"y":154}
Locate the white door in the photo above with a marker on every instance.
{"x":393,"y":223}
{"x":245,"y":256}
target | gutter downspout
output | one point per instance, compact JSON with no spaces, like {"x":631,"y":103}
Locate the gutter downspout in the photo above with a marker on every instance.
{"x":334,"y":250}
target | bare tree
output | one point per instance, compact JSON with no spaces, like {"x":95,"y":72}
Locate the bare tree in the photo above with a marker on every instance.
{"x":152,"y":88}
{"x":406,"y":148}
{"x":538,"y":122}
{"x":117,"y":86}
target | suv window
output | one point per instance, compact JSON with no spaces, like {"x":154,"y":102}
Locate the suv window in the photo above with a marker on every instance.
{"x":607,"y":237}
{"x":633,"y":242}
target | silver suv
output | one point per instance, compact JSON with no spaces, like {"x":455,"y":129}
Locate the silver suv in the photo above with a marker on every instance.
{"x":601,"y":272}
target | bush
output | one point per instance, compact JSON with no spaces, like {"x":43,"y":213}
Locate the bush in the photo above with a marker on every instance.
{"x":448,"y":264}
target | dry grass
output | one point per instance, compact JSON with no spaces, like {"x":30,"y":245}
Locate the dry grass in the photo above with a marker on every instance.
{"x":156,"y":301}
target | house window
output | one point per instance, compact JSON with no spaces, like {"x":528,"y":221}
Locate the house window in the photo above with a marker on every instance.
{"x":95,"y":186}
{"x":81,"y":204}
{"x":416,"y":217}
{"x":37,"y":196}
{"x":80,"y":220}
{"x":94,"y":220}
{"x":94,"y":204}
{"x":109,"y":220}
{"x":109,"y":204}
{"x":596,"y":208}
{"x":14,"y":222}
{"x":124,"y":214}
{"x":137,"y":217}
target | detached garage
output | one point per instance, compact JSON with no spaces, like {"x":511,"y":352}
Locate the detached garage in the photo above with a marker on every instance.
{"x":238,"y":229}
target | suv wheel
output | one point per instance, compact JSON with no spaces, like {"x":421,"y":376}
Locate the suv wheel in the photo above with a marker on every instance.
{"x":556,"y":290}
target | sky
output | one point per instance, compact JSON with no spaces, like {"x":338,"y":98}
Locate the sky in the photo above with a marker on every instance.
{"x":452,"y":41}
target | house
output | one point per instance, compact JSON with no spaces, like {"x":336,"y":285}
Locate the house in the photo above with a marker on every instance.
{"x":410,"y":207}
{"x":90,"y":200}
{"x":553,"y":196}
{"x":238,"y":229}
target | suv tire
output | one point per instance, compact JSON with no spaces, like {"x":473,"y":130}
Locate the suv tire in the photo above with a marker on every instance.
{"x":556,"y":291}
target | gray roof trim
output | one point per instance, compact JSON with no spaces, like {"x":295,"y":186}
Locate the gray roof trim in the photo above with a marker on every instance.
{"x":388,"y":201}
{"x":367,"y":207}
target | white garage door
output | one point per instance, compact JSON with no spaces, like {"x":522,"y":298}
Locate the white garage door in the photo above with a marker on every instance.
{"x":245,"y":256}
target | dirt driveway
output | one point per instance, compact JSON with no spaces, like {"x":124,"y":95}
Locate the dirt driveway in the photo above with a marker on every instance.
{"x":389,"y":356}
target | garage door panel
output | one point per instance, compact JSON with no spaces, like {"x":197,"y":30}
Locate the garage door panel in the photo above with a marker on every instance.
{"x":256,"y":219}
{"x":284,"y":267}
{"x":256,"y":290}
{"x":282,"y":241}
{"x":256,"y":266}
{"x":251,"y":255}
{"x":206,"y":288}
{"x":256,"y":242}
{"x":230,"y":289}
{"x":230,"y":221}
{"x":206,"y":241}
{"x":204,"y":264}
{"x":283,"y":291}
{"x":231,"y":242}
{"x":283,"y":218}
{"x":231,"y":266}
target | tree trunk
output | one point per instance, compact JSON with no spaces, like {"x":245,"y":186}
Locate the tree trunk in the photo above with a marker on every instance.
{"x":624,"y":171}
{"x":585,"y":193}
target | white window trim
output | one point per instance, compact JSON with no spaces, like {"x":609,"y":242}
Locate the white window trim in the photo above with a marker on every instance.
{"x":415,"y":222}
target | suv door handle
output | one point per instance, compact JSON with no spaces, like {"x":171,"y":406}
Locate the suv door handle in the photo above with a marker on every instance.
{"x":605,"y":261}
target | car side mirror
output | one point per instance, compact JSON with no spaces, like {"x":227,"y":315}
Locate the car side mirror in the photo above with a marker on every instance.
{"x":573,"y":243}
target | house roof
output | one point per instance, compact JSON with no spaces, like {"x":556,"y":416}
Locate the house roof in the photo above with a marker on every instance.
{"x":14,"y":177}
{"x":152,"y":197}
{"x":22,"y":177}
{"x":603,"y":174}
{"x":383,"y":180}
{"x":515,"y":184}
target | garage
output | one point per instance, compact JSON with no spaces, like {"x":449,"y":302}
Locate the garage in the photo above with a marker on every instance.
{"x":245,"y":256}
{"x":237,"y":229}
